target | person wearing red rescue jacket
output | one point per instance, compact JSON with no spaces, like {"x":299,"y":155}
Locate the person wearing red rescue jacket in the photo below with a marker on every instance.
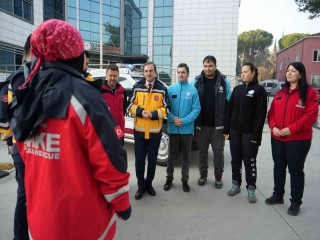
{"x":115,"y":96}
{"x":76,"y":175}
{"x":293,"y":111}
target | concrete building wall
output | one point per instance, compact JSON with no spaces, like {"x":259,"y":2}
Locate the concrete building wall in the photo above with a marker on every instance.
{"x":205,"y":27}
{"x":14,"y":30}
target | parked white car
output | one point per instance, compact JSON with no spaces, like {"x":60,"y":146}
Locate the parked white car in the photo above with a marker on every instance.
{"x":127,"y":82}
{"x":268,"y":84}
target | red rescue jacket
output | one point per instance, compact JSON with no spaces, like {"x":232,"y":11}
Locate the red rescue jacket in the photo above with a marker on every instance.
{"x":287,"y":110}
{"x":76,"y":175}
{"x":116,"y":102}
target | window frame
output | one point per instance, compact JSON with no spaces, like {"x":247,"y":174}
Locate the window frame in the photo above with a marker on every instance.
{"x":46,"y":8}
{"x":31,"y":2}
{"x":318,"y":55}
{"x":313,"y":78}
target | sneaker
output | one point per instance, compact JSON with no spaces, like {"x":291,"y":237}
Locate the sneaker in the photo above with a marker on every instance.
{"x":234,"y":189}
{"x":218,"y":183}
{"x":274,"y":199}
{"x":167,"y":186}
{"x":294,"y":209}
{"x":202,"y":180}
{"x":251,"y":194}
{"x":185,"y":186}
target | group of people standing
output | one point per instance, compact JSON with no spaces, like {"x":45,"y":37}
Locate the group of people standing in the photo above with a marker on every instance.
{"x":207,"y":110}
{"x":77,"y":194}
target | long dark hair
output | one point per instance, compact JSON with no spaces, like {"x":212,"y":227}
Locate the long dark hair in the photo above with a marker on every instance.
{"x":252,"y":69}
{"x":302,"y":82}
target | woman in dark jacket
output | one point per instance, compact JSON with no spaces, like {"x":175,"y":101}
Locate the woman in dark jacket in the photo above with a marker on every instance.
{"x":247,"y":113}
{"x":293,"y":111}
{"x":61,"y":125}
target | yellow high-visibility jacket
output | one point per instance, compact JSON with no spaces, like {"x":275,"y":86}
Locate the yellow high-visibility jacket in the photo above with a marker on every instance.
{"x":156,"y":101}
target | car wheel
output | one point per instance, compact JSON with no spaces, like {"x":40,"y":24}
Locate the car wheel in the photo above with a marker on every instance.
{"x":163,"y":152}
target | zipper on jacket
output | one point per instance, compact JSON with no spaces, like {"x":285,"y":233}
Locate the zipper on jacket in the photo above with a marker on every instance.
{"x":144,"y":98}
{"x":179,"y":104}
{"x":285,"y":110}
{"x":242,"y":95}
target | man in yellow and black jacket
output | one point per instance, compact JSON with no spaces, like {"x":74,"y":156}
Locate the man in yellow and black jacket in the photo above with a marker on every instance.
{"x":149,"y":104}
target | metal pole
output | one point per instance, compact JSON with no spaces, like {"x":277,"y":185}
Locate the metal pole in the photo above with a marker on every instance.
{"x":77,"y":10}
{"x":101,"y":39}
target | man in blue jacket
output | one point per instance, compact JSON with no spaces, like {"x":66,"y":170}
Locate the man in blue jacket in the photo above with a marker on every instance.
{"x":185,"y":108}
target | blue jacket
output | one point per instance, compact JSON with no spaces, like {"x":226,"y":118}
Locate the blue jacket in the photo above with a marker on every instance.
{"x":185,"y":104}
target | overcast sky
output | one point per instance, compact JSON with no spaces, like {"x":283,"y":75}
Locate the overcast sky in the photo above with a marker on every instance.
{"x":276,"y":17}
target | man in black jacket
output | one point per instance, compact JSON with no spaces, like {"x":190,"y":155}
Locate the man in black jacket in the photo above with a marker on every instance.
{"x":214,"y":94}
{"x":20,"y":214}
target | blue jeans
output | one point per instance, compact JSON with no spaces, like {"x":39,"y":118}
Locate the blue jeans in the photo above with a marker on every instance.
{"x":142,"y":148}
{"x":20,"y":214}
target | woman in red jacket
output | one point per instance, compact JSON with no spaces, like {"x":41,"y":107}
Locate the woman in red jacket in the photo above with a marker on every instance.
{"x":293,"y":111}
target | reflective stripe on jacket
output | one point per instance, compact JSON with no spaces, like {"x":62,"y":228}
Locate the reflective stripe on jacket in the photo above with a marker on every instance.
{"x":76,"y":175}
{"x":155,"y":102}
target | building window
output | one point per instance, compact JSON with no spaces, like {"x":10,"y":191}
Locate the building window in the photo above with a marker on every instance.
{"x":315,"y":80}
{"x":53,"y":9}
{"x":281,"y":66}
{"x":316,"y":55}
{"x":20,"y":8}
{"x":136,"y":23}
{"x":10,"y":60}
{"x":297,"y":58}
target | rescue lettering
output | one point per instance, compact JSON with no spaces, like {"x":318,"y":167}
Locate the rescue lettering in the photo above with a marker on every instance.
{"x":46,"y":145}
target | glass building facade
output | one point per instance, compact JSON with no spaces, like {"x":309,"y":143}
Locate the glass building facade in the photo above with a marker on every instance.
{"x":162,"y":37}
{"x":125,"y":30}
{"x":53,"y":9}
{"x":89,"y":24}
{"x":136,"y":27}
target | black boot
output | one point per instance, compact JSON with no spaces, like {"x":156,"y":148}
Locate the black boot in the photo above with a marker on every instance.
{"x":168,"y":184}
{"x":185,"y":186}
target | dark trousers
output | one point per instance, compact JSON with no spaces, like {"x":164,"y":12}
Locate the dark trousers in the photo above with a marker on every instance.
{"x":242,"y":148}
{"x":20,"y":214}
{"x":144,"y":147}
{"x":179,"y":143}
{"x":292,"y":154}
{"x":207,"y":136}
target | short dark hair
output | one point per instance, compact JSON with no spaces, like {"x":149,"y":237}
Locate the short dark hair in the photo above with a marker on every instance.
{"x":27,"y":46}
{"x":184,"y":65}
{"x":252,"y":69}
{"x":150,"y":63}
{"x":88,"y":55}
{"x":112,"y":67}
{"x":210,"y":58}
